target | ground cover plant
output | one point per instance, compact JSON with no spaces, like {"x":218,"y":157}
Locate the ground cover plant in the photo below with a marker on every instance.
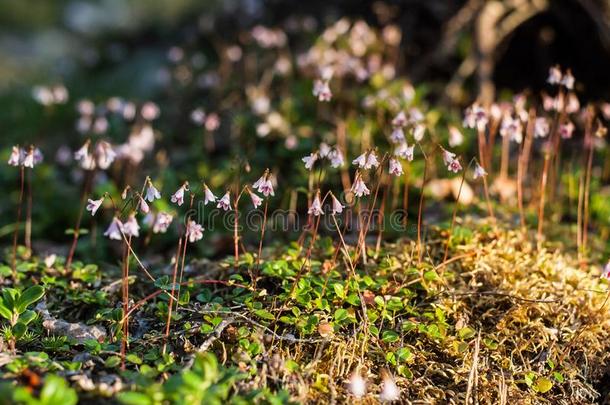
{"x":296,"y":222}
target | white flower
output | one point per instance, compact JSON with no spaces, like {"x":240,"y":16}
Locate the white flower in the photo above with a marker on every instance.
{"x":152,"y":193}
{"x":162,"y":222}
{"x":264,"y":185}
{"x":316,"y":207}
{"x":479,"y":171}
{"x":82,"y":152}
{"x":404,"y":151}
{"x":131,"y":227}
{"x":256,"y":200}
{"x":17,"y":156}
{"x":194,"y":231}
{"x":321,"y":90}
{"x":371,"y":160}
{"x":455,"y":137}
{"x":336,"y":158}
{"x":324,"y":150}
{"x":395,"y":167}
{"x":568,"y":80}
{"x":225,"y":202}
{"x":475,"y":117}
{"x":397,"y":135}
{"x":415,"y":115}
{"x":114,"y":229}
{"x":448,"y":157}
{"x":357,"y":385}
{"x":554,"y":75}
{"x":88,"y":162}
{"x":337,"y":207}
{"x":359,"y":188}
{"x":178,"y":196}
{"x":310,"y":160}
{"x":105,"y":154}
{"x":418,"y":132}
{"x":400,"y":120}
{"x":94,"y":205}
{"x":512,"y":127}
{"x":28,"y":161}
{"x":454,"y":166}
{"x":541,"y":127}
{"x":389,"y":390}
{"x":198,"y":116}
{"x":360,"y":161}
{"x":208,"y":196}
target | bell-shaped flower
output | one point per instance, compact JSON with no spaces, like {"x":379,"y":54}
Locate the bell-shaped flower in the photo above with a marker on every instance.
{"x":256,"y":200}
{"x":178,"y":196}
{"x":315,"y":208}
{"x":389,"y":390}
{"x":336,"y":158}
{"x":194,"y":231}
{"x":337,"y":207}
{"x":359,"y":188}
{"x":208,"y":196}
{"x":479,"y":172}
{"x":131,"y":227}
{"x":94,"y":205}
{"x":357,"y":385}
{"x":310,"y":160}
{"x":225,"y":202}
{"x":114,"y":230}
{"x":162,"y":222}
{"x":152,"y":193}
{"x":395,"y":167}
{"x":17,"y":156}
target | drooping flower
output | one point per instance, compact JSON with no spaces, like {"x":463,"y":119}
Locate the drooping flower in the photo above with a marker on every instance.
{"x":178,"y":196}
{"x":143,"y":206}
{"x":371,"y":160}
{"x":324,"y":150}
{"x":415,"y":115}
{"x":336,"y":158}
{"x":38,"y":157}
{"x":455,"y":137}
{"x":105,"y":154}
{"x":310,"y":160}
{"x":316,"y":206}
{"x":606,"y":272}
{"x":162,"y":222}
{"x":389,"y":390}
{"x":541,"y":127}
{"x":418,"y":132}
{"x":131,"y":227}
{"x":479,"y":171}
{"x":400,"y":120}
{"x":208,"y":196}
{"x":152,"y":193}
{"x":395,"y":167}
{"x":114,"y":230}
{"x":28,"y":161}
{"x":194,"y":231}
{"x":16,"y":157}
{"x":82,"y":152}
{"x":359,"y":188}
{"x":566,"y":130}
{"x":337,"y":207}
{"x":264,"y":185}
{"x":321,"y":90}
{"x":554,"y":75}
{"x":512,"y":127}
{"x":475,"y":116}
{"x":225,"y":202}
{"x":360,"y":161}
{"x":448,"y":157}
{"x":404,"y":151}
{"x":357,"y":385}
{"x":568,"y":80}
{"x":256,"y":200}
{"x":94,"y":205}
{"x":397,"y":135}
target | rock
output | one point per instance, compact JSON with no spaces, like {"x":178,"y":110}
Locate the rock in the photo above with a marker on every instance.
{"x":78,"y":331}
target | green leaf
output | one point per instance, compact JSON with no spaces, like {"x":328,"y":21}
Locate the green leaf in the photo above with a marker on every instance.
{"x":112,"y":361}
{"x":4,"y":311}
{"x":466,"y":333}
{"x":19,"y":329}
{"x":543,"y":385}
{"x":28,"y":297}
{"x":339,"y":290}
{"x":261,"y":313}
{"x":57,"y":391}
{"x":133,"y":358}
{"x":389,"y":336}
{"x":134,"y":398}
{"x":558,"y":376}
{"x":340,"y":315}
{"x":27,"y":317}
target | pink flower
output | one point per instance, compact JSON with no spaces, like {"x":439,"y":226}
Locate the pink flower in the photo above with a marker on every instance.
{"x":337,"y":207}
{"x":415,"y":115}
{"x":454,"y":166}
{"x":131,"y":227}
{"x":455,"y":137}
{"x":566,"y":130}
{"x":225,"y":202}
{"x":554,"y":75}
{"x":606,"y":272}
{"x":360,"y":161}
{"x":448,"y":157}
{"x":418,"y":132}
{"x":475,"y":117}
{"x":397,"y":136}
{"x":264,"y":185}
{"x":389,"y":390}
{"x":16,"y":157}
{"x":310,"y":160}
{"x":94,"y":205}
{"x":395,"y":167}
{"x":512,"y":127}
{"x":256,"y":200}
{"x":321,"y":90}
{"x":152,"y":193}
{"x":336,"y":158}
{"x":162,"y":222}
{"x":316,"y":207}
{"x":400,"y":120}
{"x":82,"y":152}
{"x":359,"y":188}
{"x":28,"y":161}
{"x":324,"y":150}
{"x":194,"y":231}
{"x":568,"y":80}
{"x":178,"y":196}
{"x":114,"y":230}
{"x":208,"y":195}
{"x":541,"y":127}
{"x":143,"y":206}
{"x":479,"y":171}
{"x":404,"y":151}
{"x":371,"y":161}
{"x":105,"y":154}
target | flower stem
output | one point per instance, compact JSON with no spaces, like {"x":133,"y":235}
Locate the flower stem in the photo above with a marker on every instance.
{"x":86,"y":185}
{"x":17,"y":223}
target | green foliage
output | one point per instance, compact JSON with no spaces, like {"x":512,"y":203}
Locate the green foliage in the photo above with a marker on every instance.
{"x":54,"y":391}
{"x":14,"y":305}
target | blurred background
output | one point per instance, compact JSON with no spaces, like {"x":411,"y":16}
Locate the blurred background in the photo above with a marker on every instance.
{"x":232,"y":82}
